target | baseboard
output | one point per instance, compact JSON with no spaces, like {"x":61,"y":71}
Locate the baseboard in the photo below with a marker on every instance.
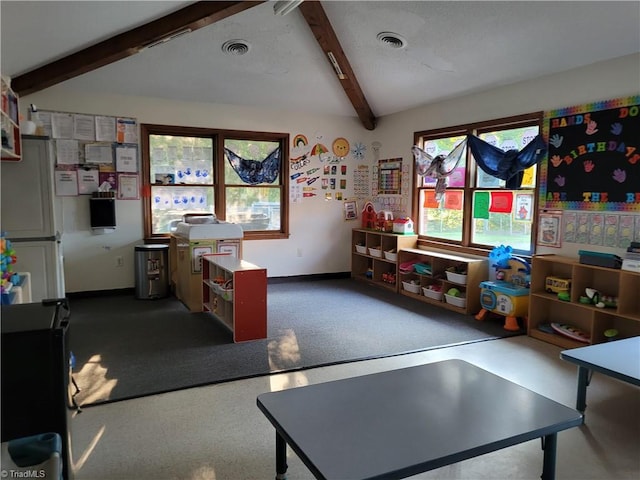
{"x":270,"y":280}
{"x":101,"y":293}
{"x":311,"y":277}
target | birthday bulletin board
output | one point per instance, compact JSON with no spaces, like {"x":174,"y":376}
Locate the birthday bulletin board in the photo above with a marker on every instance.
{"x":593,"y":161}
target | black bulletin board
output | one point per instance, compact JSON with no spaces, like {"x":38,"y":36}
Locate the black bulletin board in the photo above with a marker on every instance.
{"x":593,"y":160}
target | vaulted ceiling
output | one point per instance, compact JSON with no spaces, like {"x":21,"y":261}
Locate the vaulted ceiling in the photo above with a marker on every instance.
{"x":451,"y":48}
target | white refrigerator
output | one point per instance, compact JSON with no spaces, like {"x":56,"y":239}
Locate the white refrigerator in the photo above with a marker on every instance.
{"x":30,"y":215}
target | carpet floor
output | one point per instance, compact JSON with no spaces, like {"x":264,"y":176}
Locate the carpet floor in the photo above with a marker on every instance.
{"x":127,"y":348}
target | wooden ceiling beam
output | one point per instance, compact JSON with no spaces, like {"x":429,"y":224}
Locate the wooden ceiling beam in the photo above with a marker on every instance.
{"x":326,"y":37}
{"x":193,"y":17}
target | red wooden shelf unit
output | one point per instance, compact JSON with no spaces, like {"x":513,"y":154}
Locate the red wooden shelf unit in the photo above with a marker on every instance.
{"x":235,"y":292}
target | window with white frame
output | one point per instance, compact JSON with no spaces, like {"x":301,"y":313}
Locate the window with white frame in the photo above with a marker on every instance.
{"x":477,"y":210}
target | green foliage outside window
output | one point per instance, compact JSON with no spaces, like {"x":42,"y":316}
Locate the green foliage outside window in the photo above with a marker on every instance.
{"x":438,"y":221}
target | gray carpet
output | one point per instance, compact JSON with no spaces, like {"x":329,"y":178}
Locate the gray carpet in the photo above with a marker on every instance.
{"x":126,"y":348}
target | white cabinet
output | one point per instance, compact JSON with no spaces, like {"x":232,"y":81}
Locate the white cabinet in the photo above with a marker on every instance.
{"x":29,"y":207}
{"x":30,"y":214}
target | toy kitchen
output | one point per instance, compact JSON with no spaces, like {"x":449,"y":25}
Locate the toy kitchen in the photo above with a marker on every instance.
{"x":195,"y":236}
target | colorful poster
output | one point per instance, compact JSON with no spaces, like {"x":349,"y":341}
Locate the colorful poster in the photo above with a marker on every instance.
{"x":582,"y":230}
{"x":430,"y":199}
{"x":480,"y":205}
{"x":523,"y":207}
{"x":361,"y":181}
{"x":625,"y":230}
{"x":594,"y":157}
{"x":501,"y":202}
{"x":610,"y":230}
{"x":453,"y":199}
{"x":549,"y":229}
{"x":596,"y":229}
{"x":110,"y":179}
{"x":350,"y":210}
{"x":390,"y":176}
{"x":570,"y":226}
{"x":126,"y":130}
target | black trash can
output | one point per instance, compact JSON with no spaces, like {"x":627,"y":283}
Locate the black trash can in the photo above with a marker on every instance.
{"x":152,"y":271}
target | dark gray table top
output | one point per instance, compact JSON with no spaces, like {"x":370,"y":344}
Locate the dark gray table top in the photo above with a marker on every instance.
{"x":620,"y":359}
{"x":402,"y":422}
{"x":25,"y":317}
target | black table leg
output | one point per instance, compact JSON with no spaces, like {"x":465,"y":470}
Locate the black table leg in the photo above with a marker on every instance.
{"x":549,"y":462}
{"x":583,"y":382}
{"x":281,"y":458}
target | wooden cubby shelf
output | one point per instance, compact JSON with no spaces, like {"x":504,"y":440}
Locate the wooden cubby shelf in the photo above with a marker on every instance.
{"x":367,"y":266}
{"x":545,"y":307}
{"x":476,"y":268}
{"x":376,"y":267}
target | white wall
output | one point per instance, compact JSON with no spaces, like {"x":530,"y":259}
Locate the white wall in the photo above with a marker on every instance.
{"x":601,"y":81}
{"x":320,"y":238}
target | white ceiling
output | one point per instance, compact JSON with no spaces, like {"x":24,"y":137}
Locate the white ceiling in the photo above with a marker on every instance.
{"x":454,"y":48}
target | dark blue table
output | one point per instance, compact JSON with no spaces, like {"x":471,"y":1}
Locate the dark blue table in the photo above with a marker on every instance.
{"x":403,"y":422}
{"x":619,"y":359}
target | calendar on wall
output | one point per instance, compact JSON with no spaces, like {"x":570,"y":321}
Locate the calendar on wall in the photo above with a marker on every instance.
{"x":390,"y":176}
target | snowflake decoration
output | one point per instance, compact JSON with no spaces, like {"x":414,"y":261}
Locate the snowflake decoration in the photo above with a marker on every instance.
{"x":358,"y":150}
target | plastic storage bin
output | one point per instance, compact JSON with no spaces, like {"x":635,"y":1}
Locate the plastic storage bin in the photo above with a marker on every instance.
{"x":39,"y":454}
{"x":391,"y":256}
{"x":457,"y":301}
{"x":411,"y":287}
{"x":457,"y":278}
{"x":152,"y":271}
{"x":433,"y":294}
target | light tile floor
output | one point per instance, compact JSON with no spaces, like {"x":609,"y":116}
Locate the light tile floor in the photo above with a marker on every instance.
{"x":218,"y":433}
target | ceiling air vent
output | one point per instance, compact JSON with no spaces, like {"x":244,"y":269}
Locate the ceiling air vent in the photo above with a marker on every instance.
{"x":392,"y":40}
{"x":236,"y":47}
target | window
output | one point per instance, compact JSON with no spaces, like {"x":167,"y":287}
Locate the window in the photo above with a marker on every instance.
{"x":254,"y":206}
{"x":477,"y":210}
{"x":238,"y":176}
